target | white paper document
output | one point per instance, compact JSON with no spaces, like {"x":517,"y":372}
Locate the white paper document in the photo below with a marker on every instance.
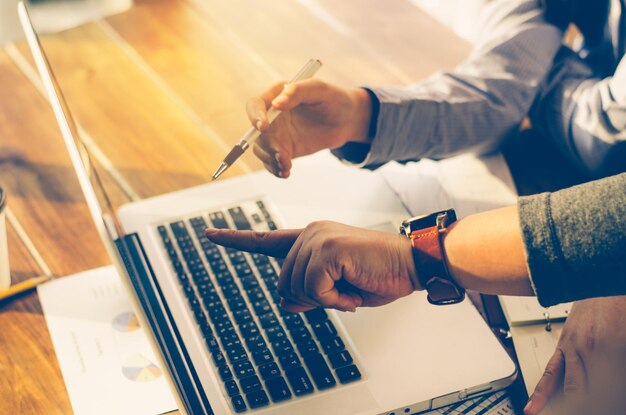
{"x":105,"y":358}
{"x":535,"y":346}
{"x":521,"y":311}
{"x":467,"y":183}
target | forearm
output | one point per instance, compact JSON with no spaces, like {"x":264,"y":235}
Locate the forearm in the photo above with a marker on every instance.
{"x":485,"y":253}
{"x":562,"y":246}
{"x":473,"y":107}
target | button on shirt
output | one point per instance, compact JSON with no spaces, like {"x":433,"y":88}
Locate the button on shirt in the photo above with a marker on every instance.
{"x":518,"y":67}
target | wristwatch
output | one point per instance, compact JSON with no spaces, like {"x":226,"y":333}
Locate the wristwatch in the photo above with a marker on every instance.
{"x":425,"y":233}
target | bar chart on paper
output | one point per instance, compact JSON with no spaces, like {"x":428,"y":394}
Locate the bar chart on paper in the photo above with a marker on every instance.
{"x":494,"y":404}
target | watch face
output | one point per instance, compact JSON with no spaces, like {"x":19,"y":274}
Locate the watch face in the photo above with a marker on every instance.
{"x":426,"y":221}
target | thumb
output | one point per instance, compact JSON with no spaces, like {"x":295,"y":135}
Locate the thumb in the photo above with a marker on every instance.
{"x":548,"y":384}
{"x":307,"y":92}
{"x":273,"y":243}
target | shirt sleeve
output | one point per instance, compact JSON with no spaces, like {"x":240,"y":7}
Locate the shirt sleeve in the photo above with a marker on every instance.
{"x":584,"y":115}
{"x":474,"y":107}
{"x":575,"y":241}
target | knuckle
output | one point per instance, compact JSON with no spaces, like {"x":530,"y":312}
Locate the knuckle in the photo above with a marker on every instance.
{"x":571,"y":387}
{"x":331,"y":244}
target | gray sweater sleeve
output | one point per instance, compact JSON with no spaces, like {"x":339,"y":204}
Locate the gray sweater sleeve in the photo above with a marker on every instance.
{"x":575,"y":241}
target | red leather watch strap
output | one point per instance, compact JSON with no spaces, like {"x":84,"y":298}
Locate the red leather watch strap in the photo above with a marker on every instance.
{"x":431,"y":266}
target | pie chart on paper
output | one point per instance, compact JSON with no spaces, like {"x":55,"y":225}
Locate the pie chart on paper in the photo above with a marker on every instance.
{"x":126,"y":322}
{"x":139,"y":369}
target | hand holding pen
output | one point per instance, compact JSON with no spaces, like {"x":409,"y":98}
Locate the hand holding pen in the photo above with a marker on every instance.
{"x":314,"y":115}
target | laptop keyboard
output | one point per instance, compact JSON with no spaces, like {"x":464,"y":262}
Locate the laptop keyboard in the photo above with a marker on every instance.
{"x":261,"y":352}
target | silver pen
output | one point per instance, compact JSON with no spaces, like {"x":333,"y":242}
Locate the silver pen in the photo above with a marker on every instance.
{"x":307,"y":71}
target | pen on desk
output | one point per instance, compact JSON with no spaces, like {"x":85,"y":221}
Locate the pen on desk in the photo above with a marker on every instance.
{"x":23,"y":286}
{"x":307,"y":71}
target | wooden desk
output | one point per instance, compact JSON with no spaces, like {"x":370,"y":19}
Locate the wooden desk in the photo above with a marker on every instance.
{"x":159,"y":92}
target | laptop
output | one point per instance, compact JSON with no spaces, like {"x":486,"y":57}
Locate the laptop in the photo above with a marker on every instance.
{"x":212,"y":315}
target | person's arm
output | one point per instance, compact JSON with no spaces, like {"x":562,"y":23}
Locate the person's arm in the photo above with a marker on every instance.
{"x":472,"y":108}
{"x":475,"y":106}
{"x":575,"y":241}
{"x":571,"y":242}
{"x":584,"y":115}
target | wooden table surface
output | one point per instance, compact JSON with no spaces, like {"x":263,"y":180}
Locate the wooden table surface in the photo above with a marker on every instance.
{"x":159,"y":93}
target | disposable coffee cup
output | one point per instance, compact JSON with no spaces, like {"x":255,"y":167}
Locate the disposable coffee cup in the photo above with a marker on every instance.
{"x":5,"y":270}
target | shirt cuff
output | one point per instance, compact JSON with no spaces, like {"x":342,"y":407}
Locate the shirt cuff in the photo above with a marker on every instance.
{"x":390,"y":131}
{"x":542,"y":254}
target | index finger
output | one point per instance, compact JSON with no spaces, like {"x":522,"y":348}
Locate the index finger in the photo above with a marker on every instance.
{"x":257,"y":107}
{"x":274,"y":243}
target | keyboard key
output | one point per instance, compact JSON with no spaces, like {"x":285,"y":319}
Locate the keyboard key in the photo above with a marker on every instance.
{"x":334,"y":344}
{"x":324,"y":329}
{"x":299,"y":381}
{"x":261,"y":307}
{"x":250,"y":383}
{"x":322,"y":376}
{"x":255,"y":294}
{"x":316,"y":315}
{"x":206,"y":330}
{"x":211,"y":343}
{"x":256,"y":343}
{"x":293,"y":320}
{"x":218,"y":220}
{"x":230,"y":340}
{"x":218,"y":358}
{"x":231,"y":388}
{"x":243,"y":369}
{"x":257,"y":399}
{"x":237,"y":354}
{"x":289,"y":361}
{"x":278,"y":389}
{"x":236,"y":258}
{"x":221,"y":323}
{"x":242,"y":315}
{"x":225,"y":372}
{"x":282,"y":347}
{"x":275,"y":334}
{"x":300,"y":334}
{"x":239,"y":405}
{"x":348,"y":374}
{"x":269,"y":370}
{"x":249,"y":329}
{"x":249,"y":282}
{"x":262,"y":356}
{"x":239,"y":218}
{"x":236,"y":303}
{"x":260,"y":259}
{"x":307,"y":347}
{"x":268,"y":320}
{"x":340,"y":359}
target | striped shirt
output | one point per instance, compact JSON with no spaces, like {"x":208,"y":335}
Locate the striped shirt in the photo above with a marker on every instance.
{"x":518,"y":68}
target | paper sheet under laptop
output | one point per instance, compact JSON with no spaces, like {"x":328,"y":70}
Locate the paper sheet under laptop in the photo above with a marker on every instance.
{"x":105,"y":358}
